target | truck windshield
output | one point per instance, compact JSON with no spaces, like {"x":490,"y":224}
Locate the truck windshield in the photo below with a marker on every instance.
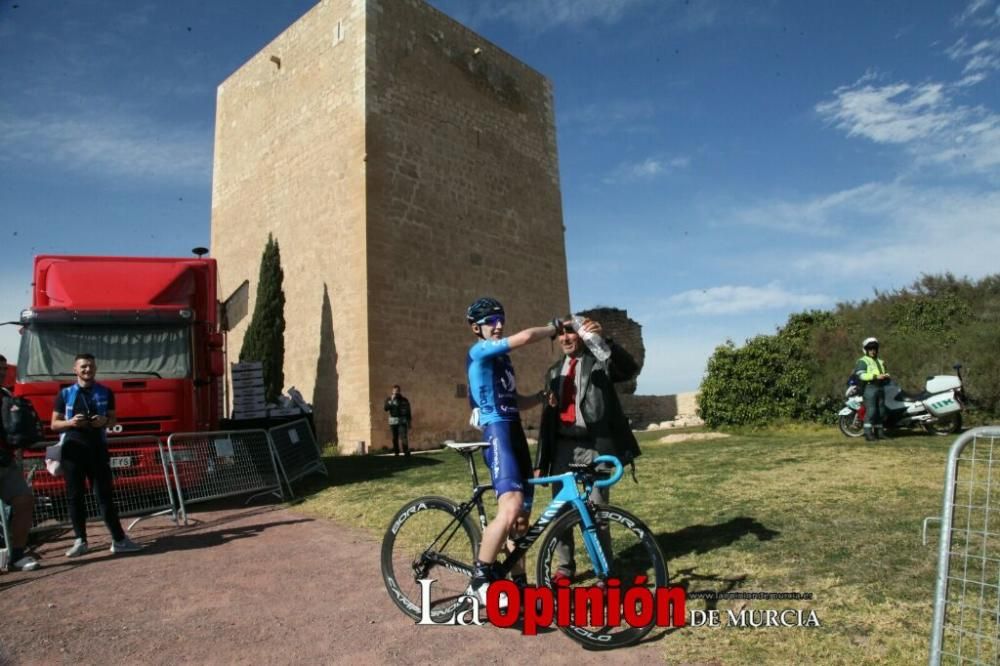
{"x":130,"y":351}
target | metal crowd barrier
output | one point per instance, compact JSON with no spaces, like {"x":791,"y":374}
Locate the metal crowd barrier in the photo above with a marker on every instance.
{"x":298,"y":453}
{"x":141,"y":485}
{"x":966,"y":624}
{"x":5,"y":531}
{"x":212,"y":465}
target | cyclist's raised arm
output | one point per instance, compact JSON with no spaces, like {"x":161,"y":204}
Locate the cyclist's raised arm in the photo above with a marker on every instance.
{"x":536,"y":334}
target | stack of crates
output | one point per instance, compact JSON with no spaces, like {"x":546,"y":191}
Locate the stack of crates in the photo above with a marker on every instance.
{"x":249,"y":401}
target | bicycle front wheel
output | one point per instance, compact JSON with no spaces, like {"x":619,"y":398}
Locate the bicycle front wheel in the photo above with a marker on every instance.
{"x":634,"y":559}
{"x":427,"y":540}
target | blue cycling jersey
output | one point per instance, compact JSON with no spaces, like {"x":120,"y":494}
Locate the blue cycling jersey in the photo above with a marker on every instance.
{"x":491,"y":381}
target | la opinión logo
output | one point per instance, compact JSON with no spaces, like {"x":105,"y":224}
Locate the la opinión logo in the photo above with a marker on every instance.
{"x":541,"y":606}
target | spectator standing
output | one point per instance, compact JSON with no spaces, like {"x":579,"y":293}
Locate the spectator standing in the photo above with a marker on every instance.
{"x":81,"y":413}
{"x":15,"y":492}
{"x":870,"y":369}
{"x":399,"y":420}
{"x":583,"y":418}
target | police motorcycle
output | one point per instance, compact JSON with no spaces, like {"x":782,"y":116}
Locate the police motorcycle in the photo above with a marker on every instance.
{"x":938,"y":409}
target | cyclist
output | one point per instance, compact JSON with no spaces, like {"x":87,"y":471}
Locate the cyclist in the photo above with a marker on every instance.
{"x":494,"y":398}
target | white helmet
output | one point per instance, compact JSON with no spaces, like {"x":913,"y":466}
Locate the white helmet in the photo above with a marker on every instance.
{"x":868,"y":343}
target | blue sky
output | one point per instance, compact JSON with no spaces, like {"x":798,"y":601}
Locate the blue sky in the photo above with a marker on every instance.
{"x":723,"y":163}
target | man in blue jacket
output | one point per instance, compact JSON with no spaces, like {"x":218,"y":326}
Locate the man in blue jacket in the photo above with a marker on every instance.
{"x":82,"y":413}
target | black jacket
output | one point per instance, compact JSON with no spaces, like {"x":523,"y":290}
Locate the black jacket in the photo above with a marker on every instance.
{"x":599,"y":405}
{"x":398,"y":409}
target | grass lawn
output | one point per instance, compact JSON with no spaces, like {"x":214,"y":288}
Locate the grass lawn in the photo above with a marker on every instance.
{"x":790,"y":510}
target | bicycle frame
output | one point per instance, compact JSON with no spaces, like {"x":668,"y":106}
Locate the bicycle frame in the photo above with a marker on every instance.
{"x":568,"y":498}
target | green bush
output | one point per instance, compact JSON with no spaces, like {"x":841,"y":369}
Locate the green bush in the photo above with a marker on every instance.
{"x":800,"y":371}
{"x":767,"y":379}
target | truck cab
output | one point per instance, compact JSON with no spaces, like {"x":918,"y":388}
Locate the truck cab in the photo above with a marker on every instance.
{"x":153,"y":326}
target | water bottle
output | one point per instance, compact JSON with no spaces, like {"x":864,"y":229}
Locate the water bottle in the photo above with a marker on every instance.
{"x":595,"y":343}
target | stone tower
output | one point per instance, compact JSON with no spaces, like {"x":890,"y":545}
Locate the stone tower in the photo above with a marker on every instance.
{"x":406,"y":166}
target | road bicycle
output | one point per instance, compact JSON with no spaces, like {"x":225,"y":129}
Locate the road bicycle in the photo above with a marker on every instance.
{"x":433,"y":538}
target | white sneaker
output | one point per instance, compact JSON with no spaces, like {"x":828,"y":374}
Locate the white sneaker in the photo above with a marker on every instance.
{"x":79,"y":548}
{"x":479,"y":591}
{"x":126,"y":545}
{"x":26,"y":563}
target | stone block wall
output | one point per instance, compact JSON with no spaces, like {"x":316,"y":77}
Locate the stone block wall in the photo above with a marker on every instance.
{"x":406,"y":166}
{"x":463,"y":201}
{"x":626,"y":332}
{"x":290,"y":160}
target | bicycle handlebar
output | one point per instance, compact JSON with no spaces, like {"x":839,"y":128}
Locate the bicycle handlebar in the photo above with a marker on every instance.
{"x":615,"y":477}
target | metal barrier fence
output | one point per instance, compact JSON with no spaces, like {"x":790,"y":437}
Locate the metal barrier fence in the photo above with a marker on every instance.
{"x":966,"y":625}
{"x":141,"y":484}
{"x":211,"y":465}
{"x":298,"y":453}
{"x":5,"y":532}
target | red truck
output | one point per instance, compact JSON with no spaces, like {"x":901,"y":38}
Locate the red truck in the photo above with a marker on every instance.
{"x":153,"y":325}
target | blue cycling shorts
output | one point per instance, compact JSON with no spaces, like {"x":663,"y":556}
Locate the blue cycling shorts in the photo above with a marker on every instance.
{"x":508,"y":459}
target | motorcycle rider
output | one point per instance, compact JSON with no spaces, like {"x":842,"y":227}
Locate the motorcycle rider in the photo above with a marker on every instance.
{"x":870,"y":369}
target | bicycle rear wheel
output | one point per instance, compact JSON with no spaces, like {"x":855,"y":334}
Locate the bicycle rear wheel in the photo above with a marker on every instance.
{"x":427,"y":540}
{"x":632,"y":552}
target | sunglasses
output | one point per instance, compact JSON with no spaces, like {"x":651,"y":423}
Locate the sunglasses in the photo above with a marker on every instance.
{"x":492,"y":320}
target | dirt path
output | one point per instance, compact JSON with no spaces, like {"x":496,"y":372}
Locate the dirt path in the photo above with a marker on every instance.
{"x":244,"y":585}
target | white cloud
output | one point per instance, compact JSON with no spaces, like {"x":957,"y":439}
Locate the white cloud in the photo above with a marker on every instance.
{"x":542,"y":15}
{"x":115,"y":146}
{"x":896,"y":113}
{"x":646,"y":169}
{"x":983,"y":56}
{"x":980,"y":12}
{"x":740,"y":299}
{"x":819,"y":216}
{"x":924,"y":119}
{"x":629,"y":116}
{"x":919,"y":230}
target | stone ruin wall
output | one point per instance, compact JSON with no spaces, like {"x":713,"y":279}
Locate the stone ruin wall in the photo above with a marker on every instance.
{"x":641,"y":410}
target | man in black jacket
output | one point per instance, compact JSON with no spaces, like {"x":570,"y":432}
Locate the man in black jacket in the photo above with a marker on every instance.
{"x":399,"y":420}
{"x":584,"y":418}
{"x":15,"y":492}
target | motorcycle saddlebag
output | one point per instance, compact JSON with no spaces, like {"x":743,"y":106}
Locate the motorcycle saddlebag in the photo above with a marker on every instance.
{"x":940,"y":404}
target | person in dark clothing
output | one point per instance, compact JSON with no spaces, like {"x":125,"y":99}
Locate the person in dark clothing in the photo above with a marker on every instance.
{"x":14,"y":491}
{"x":399,"y":420}
{"x":583,"y":418}
{"x":81,"y":413}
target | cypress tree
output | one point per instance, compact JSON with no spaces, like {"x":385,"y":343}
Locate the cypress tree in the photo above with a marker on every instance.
{"x":265,"y":337}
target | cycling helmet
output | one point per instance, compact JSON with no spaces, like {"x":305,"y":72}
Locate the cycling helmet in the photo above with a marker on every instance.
{"x":483,"y":308}
{"x":869,"y":342}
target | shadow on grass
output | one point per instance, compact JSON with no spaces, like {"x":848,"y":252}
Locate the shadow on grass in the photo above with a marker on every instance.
{"x":346,"y":470}
{"x":704,"y":538}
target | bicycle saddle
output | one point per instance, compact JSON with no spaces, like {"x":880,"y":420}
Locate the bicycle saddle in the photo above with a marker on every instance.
{"x":466,"y":447}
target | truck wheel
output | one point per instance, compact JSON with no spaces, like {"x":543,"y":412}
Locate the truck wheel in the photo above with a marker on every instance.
{"x":851,"y":425}
{"x":945,"y":425}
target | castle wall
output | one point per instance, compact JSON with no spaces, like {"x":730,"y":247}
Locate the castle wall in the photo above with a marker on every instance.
{"x":403,"y":173}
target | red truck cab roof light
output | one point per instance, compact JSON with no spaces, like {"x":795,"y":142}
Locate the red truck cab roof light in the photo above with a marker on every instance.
{"x":170,"y":315}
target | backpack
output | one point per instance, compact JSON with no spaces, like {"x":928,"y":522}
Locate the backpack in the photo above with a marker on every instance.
{"x":21,"y":425}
